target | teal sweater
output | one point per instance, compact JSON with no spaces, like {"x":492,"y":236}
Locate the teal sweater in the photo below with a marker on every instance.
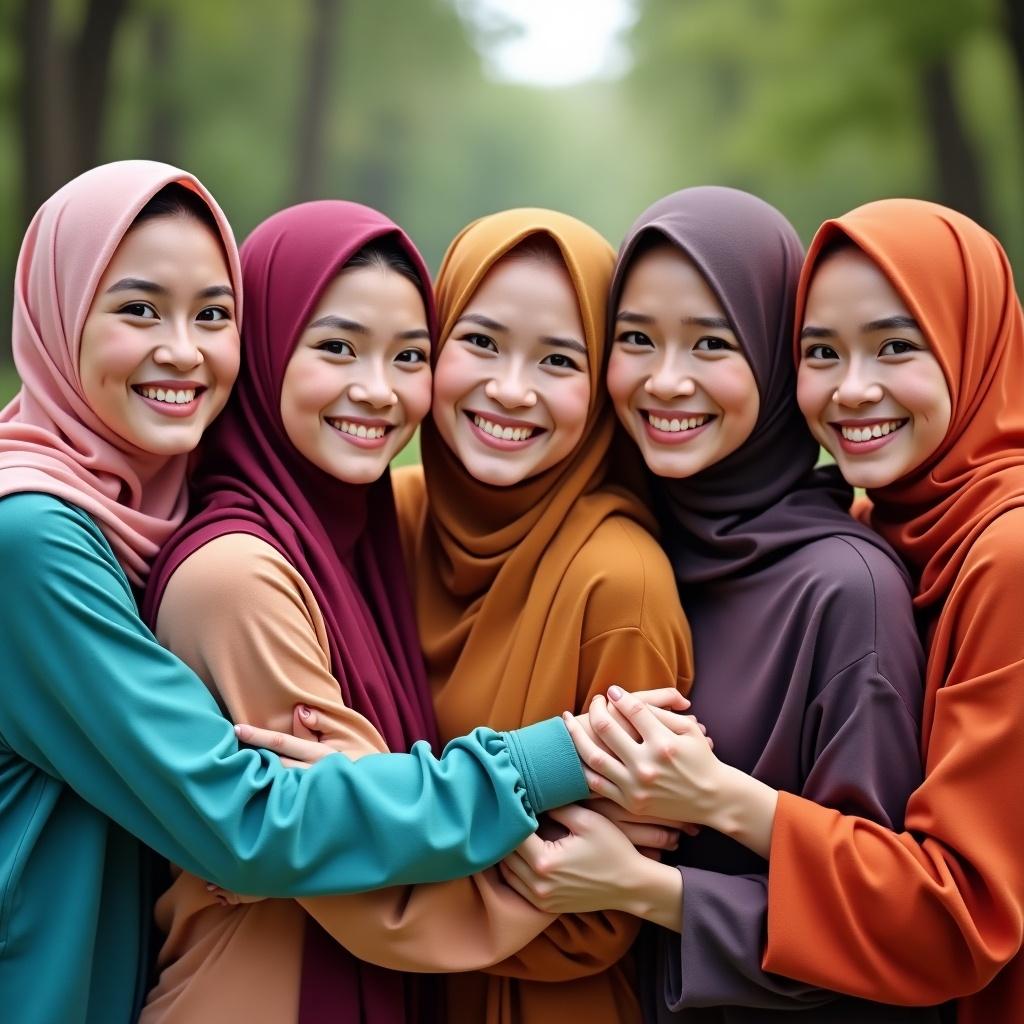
{"x":107,"y":739}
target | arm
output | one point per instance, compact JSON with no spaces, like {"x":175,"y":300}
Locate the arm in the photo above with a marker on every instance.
{"x":135,"y":733}
{"x":241,"y":615}
{"x":933,"y":912}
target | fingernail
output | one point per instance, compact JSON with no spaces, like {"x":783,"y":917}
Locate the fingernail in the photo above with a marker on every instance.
{"x":238,"y":730}
{"x":616,"y":692}
{"x":303,"y":711}
{"x":210,"y":887}
{"x":566,"y":716}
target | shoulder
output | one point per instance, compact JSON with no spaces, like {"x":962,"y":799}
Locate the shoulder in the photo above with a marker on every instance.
{"x":410,"y":488}
{"x":231,"y":572}
{"x":853,"y":569}
{"x":626,"y":574}
{"x":41,"y":534}
{"x":999,"y":548}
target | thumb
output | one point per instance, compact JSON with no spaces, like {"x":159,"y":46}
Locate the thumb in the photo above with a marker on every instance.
{"x":575,"y":818}
{"x":304,"y":722}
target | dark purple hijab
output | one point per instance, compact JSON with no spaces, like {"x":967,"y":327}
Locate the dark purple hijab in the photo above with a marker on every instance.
{"x":342,"y":538}
{"x":766,"y":498}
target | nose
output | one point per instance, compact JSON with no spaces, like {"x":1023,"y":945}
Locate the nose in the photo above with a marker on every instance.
{"x":669,"y":381}
{"x":857,"y":387}
{"x":511,"y":388}
{"x":179,"y":347}
{"x":374,"y":388}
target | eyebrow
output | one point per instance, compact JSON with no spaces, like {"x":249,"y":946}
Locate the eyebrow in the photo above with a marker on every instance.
{"x":340,"y":323}
{"x":138,"y":284}
{"x":570,"y":343}
{"x":483,"y":321}
{"x":718,"y":322}
{"x":885,"y":323}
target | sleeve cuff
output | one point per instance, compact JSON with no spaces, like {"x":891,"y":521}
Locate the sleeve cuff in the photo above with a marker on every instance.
{"x":546,"y":759}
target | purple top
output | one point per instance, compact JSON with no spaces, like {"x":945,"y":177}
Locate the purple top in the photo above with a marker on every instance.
{"x":808,"y":667}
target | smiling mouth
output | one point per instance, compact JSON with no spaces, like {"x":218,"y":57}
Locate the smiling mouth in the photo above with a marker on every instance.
{"x":366,"y":432}
{"x":169,"y":396}
{"x":676,"y":424}
{"x":516,"y":432}
{"x":868,"y":431}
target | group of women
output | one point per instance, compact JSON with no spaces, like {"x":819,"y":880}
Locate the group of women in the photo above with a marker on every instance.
{"x":618,"y":492}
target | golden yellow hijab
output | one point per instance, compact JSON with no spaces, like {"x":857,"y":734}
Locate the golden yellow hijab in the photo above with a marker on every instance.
{"x":501,"y":635}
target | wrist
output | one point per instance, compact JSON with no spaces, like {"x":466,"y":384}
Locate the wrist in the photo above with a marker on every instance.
{"x":656,"y":893}
{"x":744,"y":809}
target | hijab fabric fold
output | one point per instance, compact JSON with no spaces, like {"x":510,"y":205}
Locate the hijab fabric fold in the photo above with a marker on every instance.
{"x":765,"y":498}
{"x":956,"y":280}
{"x":51,"y":441}
{"x":343,"y":538}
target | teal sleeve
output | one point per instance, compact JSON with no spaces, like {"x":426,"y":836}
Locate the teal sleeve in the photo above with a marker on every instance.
{"x":547,"y":760}
{"x":91,"y":698}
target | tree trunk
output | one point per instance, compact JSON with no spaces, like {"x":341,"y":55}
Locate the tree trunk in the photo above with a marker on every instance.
{"x":164,"y":126}
{"x":314,"y":99}
{"x":958,"y":176}
{"x":90,"y":78}
{"x":1014,"y":11}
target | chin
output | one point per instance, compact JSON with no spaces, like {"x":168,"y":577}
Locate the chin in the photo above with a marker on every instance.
{"x":496,"y":476}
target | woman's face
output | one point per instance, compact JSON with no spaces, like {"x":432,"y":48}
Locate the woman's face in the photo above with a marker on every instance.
{"x":358,"y":383}
{"x":870,"y":387}
{"x":512,"y":383}
{"x":160,"y":349}
{"x":680,"y":383}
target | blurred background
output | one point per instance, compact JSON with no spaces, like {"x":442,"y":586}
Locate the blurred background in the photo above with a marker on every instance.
{"x":438,"y":111}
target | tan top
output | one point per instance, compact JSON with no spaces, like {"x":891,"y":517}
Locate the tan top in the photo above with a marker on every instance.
{"x":240,"y":615}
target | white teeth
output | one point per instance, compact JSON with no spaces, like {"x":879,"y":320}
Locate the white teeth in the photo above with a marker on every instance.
{"x":503,"y":433}
{"x":181,"y":397}
{"x":869,"y":433}
{"x":674,"y":425}
{"x":358,"y":429}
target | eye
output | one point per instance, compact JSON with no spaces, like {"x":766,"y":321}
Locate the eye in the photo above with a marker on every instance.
{"x":336,"y":347}
{"x":637,"y":338}
{"x":481,"y":341}
{"x":820,"y":352}
{"x":213,"y":314}
{"x":709,"y":343}
{"x":897,"y":347}
{"x":412,"y":356}
{"x":141,"y":310}
{"x":560,"y":361}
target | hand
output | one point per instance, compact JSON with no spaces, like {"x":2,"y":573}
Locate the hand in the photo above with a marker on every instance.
{"x":226,"y":898}
{"x":295,"y":751}
{"x":627,"y":821}
{"x":669,"y":773}
{"x":589,"y":869}
{"x":666,"y":702}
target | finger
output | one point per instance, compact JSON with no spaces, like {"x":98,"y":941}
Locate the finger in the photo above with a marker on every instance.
{"x":689,"y":828}
{"x":282,"y":743}
{"x":291,"y":763}
{"x":607,"y":788}
{"x":515,"y":883}
{"x":519,"y":867}
{"x":611,"y":810}
{"x":639,"y":714}
{"x":529,"y":850}
{"x":575,"y":818}
{"x":627,"y":724}
{"x":652,"y":836}
{"x":667,"y":697}
{"x":614,"y":737}
{"x":305,"y":722}
{"x":600,"y":760}
{"x":647,"y":852}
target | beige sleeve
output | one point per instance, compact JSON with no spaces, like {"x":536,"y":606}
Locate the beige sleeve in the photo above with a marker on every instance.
{"x":243,"y":618}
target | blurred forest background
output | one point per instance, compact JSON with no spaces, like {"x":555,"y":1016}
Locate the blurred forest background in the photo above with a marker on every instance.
{"x":437,"y":111}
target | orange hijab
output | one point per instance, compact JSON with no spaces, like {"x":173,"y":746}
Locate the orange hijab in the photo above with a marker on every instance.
{"x":956,"y":280}
{"x":499,"y":635}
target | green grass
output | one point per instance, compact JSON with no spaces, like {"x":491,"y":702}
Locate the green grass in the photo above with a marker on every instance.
{"x":9,"y":383}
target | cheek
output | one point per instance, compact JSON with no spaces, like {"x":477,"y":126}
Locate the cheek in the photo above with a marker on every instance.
{"x":731,"y":384}
{"x":414,"y":392}
{"x":625,"y":375}
{"x":923,"y":392}
{"x":457,"y":373}
{"x":568,"y":401}
{"x":110,"y":354}
{"x":813,"y":392}
{"x":224,"y":355}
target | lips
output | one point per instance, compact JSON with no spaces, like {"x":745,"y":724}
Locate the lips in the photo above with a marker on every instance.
{"x":170,"y":397}
{"x":361,"y":432}
{"x":673,"y":427}
{"x":861,"y":437}
{"x":503,"y":432}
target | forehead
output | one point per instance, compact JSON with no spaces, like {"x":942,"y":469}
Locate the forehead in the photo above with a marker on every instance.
{"x":665,"y":276}
{"x":372,"y":292}
{"x":848,"y":283}
{"x":525,"y":293}
{"x":168,"y":250}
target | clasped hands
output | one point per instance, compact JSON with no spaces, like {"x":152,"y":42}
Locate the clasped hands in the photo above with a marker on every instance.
{"x":654,"y":773}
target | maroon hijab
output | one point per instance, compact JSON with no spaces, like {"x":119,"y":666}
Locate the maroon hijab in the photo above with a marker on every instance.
{"x":342,"y":538}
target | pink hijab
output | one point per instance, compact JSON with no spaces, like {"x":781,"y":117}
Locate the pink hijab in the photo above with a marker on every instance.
{"x":50,"y":439}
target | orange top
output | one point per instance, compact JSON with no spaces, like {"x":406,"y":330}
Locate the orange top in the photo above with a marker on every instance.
{"x":936,"y":912}
{"x":532,"y":598}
